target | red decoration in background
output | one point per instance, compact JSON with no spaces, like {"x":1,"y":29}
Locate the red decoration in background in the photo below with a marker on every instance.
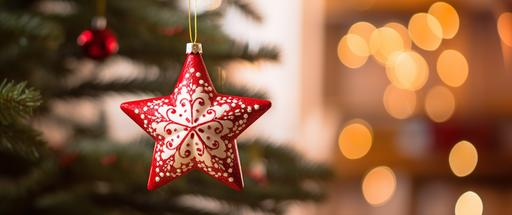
{"x":195,"y":127}
{"x":258,"y":172}
{"x":98,"y":44}
{"x":482,"y":134}
{"x":108,"y":160}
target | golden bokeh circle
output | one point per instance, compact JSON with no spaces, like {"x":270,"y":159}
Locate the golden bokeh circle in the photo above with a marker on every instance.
{"x":404,"y":33}
{"x":407,"y":70}
{"x":447,"y":17}
{"x":379,"y":185}
{"x":399,"y":103}
{"x":439,"y":104}
{"x":353,"y":51}
{"x":425,"y":31}
{"x":384,"y":42}
{"x":452,"y":68}
{"x":505,"y":28}
{"x":362,"y":29}
{"x":469,"y":203}
{"x":463,"y":158}
{"x":355,"y":140}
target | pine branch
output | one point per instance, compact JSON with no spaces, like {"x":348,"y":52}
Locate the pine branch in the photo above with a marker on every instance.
{"x":123,"y":171}
{"x":93,"y":88}
{"x":17,"y":101}
{"x":247,"y":9}
{"x":154,"y":13}
{"x":223,"y":49}
{"x":20,"y":139}
{"x":264,"y":52}
{"x":30,"y":25}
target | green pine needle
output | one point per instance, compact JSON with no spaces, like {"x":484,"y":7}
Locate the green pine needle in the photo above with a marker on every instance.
{"x":30,"y":25}
{"x":17,"y":101}
{"x":20,"y":139}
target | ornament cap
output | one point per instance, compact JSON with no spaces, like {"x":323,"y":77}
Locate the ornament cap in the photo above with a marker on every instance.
{"x":99,"y":22}
{"x":194,"y":48}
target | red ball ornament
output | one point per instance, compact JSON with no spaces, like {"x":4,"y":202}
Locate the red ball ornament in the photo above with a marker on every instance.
{"x":98,"y":42}
{"x":258,"y":172}
{"x":195,"y":127}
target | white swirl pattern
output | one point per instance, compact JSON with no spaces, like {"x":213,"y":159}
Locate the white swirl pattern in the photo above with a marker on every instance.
{"x":193,"y":128}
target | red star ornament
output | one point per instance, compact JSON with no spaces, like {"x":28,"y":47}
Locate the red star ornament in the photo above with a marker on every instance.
{"x":195,"y":127}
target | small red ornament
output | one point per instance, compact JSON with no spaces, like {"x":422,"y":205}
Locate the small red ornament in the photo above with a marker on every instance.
{"x":98,"y":42}
{"x":195,"y":127}
{"x":108,"y":160}
{"x":258,"y":172}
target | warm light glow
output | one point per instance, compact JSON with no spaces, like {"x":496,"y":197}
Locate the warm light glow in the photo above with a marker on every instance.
{"x":425,"y":31}
{"x":214,"y":4}
{"x":407,"y":70}
{"x":463,"y":158}
{"x":469,"y":203}
{"x":384,"y":42}
{"x":362,"y":29}
{"x":452,"y":68}
{"x":360,"y":4}
{"x":353,"y":51}
{"x":439,"y":104}
{"x":505,"y":28}
{"x":404,"y":33}
{"x":355,"y":140}
{"x":399,"y":103}
{"x":379,"y":185}
{"x":447,"y":17}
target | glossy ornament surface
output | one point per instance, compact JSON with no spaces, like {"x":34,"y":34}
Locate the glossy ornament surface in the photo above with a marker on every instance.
{"x":195,"y":127}
{"x":98,"y":44}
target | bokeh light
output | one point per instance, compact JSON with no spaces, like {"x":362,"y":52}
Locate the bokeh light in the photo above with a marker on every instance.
{"x":214,"y":4}
{"x":463,"y":158}
{"x":505,"y":28}
{"x":362,"y":29}
{"x":447,"y":17}
{"x":384,"y":42}
{"x":439,"y":104}
{"x":379,"y":185}
{"x":399,"y":103}
{"x":425,"y":31}
{"x":407,"y":70}
{"x":469,"y":203}
{"x":404,"y":33}
{"x":353,"y":51}
{"x":452,"y":68}
{"x":355,"y":140}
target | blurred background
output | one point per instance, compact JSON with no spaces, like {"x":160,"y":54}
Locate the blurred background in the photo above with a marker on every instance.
{"x":379,"y":106}
{"x":423,"y":88}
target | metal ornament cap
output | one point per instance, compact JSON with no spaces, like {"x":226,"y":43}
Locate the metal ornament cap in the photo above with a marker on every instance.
{"x":194,"y":48}
{"x":99,"y":23}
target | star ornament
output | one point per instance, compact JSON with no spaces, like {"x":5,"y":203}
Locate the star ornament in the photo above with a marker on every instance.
{"x":195,"y":127}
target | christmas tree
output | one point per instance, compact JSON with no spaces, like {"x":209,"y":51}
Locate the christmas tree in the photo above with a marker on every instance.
{"x":41,"y":64}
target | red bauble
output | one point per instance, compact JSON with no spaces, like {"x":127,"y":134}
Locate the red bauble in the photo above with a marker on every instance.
{"x":195,"y":127}
{"x":258,"y":172}
{"x":98,"y":44}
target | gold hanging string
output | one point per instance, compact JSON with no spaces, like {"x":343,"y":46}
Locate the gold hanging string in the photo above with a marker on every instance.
{"x":100,"y":8}
{"x":190,"y":22}
{"x":221,"y":75}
